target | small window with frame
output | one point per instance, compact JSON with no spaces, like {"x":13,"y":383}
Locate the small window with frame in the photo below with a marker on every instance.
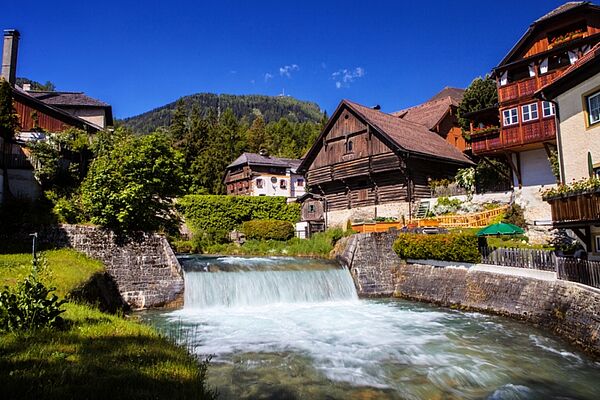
{"x":349,"y":146}
{"x":510,"y":117}
{"x":548,"y":109}
{"x":597,"y":243}
{"x":311,"y":208}
{"x":592,"y":103}
{"x":300,"y":182}
{"x":259,"y":183}
{"x":530,"y":112}
{"x":283,"y":184}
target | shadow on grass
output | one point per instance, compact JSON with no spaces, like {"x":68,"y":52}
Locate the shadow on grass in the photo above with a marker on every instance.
{"x":100,"y":290}
{"x":66,"y":365}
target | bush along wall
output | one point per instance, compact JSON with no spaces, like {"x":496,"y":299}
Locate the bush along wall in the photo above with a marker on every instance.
{"x":447,"y":247}
{"x":268,"y":229}
{"x":225,"y":213}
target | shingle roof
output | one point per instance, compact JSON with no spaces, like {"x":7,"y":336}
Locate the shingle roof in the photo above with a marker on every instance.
{"x":561,"y":9}
{"x":410,"y":136}
{"x":257,"y":159}
{"x":431,"y":112}
{"x":67,"y":99}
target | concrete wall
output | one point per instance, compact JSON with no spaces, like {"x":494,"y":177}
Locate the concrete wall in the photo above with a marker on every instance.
{"x":568,"y":309}
{"x":576,"y":138}
{"x":144,"y":267}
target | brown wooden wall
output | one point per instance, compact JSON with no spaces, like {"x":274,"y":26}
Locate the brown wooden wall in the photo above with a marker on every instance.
{"x":44,"y":121}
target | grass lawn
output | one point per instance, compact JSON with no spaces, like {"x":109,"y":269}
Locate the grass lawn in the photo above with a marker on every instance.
{"x":319,"y":245}
{"x":98,"y":356}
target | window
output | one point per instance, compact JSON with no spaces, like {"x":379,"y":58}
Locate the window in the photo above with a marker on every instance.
{"x":259,"y":183}
{"x":311,"y":208}
{"x":283,"y":184}
{"x":349,"y":146}
{"x":593,"y":108}
{"x":511,"y":116}
{"x":597,"y":244}
{"x":300,"y":182}
{"x":530,"y":112}
{"x":597,"y":172}
{"x":548,"y":109}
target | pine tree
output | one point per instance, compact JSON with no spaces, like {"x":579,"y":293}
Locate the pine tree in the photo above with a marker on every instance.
{"x":256,"y":137}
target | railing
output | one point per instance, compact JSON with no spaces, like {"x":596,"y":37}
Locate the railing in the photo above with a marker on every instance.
{"x":543,"y":260}
{"x":581,"y":271}
{"x":576,"y":208}
{"x":518,"y":135}
{"x":474,"y":220}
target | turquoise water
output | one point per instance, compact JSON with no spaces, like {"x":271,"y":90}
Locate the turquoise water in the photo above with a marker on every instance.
{"x":294,"y":328}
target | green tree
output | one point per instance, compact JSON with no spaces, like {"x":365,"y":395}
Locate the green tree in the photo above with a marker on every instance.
{"x":9,"y":123}
{"x":131,"y":187}
{"x":480,"y":94}
{"x":256,"y":137}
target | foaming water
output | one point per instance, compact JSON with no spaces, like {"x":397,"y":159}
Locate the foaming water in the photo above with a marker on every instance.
{"x":304,"y":334}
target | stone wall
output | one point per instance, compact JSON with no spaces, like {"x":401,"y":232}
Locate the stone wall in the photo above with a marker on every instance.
{"x":144,"y":267}
{"x":569,"y":309}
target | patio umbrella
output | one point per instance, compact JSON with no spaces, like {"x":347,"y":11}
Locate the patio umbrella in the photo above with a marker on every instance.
{"x":500,"y":229}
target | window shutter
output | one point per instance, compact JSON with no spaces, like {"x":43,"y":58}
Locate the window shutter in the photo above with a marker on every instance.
{"x":532,"y":70}
{"x":544,"y":66}
{"x":504,"y":78}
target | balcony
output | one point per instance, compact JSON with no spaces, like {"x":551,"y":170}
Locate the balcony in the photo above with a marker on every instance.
{"x":575,"y":208}
{"x":527,"y":134}
{"x":525,"y":88}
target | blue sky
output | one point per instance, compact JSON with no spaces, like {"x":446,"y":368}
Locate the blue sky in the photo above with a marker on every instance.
{"x":137,"y":55}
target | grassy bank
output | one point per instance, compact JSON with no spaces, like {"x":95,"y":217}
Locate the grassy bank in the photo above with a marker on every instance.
{"x":319,"y":245}
{"x":98,"y":355}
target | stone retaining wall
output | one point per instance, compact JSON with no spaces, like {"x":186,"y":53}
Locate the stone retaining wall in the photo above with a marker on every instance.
{"x":569,"y":309}
{"x":144,"y":267}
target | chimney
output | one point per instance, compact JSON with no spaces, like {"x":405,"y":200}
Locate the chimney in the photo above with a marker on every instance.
{"x":9,"y":55}
{"x":27,"y":87}
{"x":376,"y":107}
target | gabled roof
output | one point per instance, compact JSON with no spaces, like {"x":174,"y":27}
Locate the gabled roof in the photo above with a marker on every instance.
{"x":67,"y":99}
{"x":580,"y":70}
{"x":546,"y":19}
{"x":434,"y":110}
{"x":400,"y":134}
{"x":53,"y":111}
{"x":267,"y":161}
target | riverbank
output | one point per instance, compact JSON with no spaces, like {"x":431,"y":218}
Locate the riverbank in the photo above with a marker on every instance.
{"x":98,"y":355}
{"x":568,"y":309}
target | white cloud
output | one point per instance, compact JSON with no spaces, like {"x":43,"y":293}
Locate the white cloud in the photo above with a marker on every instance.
{"x":288,"y":69}
{"x":344,"y":77}
{"x":268,"y":76}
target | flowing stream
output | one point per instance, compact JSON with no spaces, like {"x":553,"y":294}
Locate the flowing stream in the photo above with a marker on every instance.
{"x":288,"y":328}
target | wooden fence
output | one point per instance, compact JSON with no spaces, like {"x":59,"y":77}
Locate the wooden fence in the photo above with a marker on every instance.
{"x":576,"y":270}
{"x":474,"y":220}
{"x":544,"y":260}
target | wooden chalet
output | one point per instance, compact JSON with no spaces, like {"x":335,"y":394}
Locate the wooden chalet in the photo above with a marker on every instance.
{"x":438,"y":114}
{"x":526,"y":135}
{"x":365,"y":157}
{"x":254,"y":174}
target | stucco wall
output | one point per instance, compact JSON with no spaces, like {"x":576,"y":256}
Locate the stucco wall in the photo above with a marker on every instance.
{"x":535,"y":168}
{"x":339,"y":218}
{"x":576,"y":139}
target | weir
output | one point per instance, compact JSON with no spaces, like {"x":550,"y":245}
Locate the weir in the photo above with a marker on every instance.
{"x":251,"y":283}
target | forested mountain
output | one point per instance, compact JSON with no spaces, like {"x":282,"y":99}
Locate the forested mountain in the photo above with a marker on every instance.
{"x":244,"y":107}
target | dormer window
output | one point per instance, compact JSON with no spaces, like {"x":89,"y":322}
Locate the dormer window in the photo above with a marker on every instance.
{"x":349,"y":146}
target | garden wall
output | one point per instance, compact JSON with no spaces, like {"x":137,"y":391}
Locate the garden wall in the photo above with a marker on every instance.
{"x":569,"y":309}
{"x":144,"y":267}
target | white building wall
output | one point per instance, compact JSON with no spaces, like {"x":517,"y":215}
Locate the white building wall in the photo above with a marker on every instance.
{"x":292,"y":186}
{"x":576,"y":138}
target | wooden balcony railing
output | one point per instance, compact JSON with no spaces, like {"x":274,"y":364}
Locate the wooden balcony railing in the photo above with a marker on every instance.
{"x":575,"y":208}
{"x":526,"y":87}
{"x":514,"y":136}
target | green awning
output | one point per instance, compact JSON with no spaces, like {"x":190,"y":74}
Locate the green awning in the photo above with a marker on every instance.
{"x":500,"y":228}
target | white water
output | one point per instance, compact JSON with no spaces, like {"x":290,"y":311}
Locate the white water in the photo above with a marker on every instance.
{"x":305,"y":329}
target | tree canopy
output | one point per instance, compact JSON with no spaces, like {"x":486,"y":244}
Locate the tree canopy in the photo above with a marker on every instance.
{"x":480,"y":94}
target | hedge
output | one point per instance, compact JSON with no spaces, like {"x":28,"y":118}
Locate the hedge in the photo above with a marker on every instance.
{"x":268,"y":229}
{"x":225,"y":213}
{"x":445,"y":247}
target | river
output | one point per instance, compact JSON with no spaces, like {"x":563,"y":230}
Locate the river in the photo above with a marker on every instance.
{"x":290,"y":328}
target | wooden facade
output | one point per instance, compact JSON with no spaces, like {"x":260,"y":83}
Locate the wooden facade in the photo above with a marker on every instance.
{"x":548,"y":48}
{"x":359,"y":161}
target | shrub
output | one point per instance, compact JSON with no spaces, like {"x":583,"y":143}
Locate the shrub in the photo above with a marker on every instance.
{"x":224,"y":213}
{"x":460,"y":247}
{"x":28,"y":307}
{"x":268,"y":229}
{"x":514,"y":215}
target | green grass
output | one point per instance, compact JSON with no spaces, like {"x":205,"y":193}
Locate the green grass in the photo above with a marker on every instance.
{"x":319,"y":245}
{"x":98,"y":355}
{"x":507,"y":241}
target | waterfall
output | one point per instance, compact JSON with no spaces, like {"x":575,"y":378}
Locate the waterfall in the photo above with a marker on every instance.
{"x":256,"y":287}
